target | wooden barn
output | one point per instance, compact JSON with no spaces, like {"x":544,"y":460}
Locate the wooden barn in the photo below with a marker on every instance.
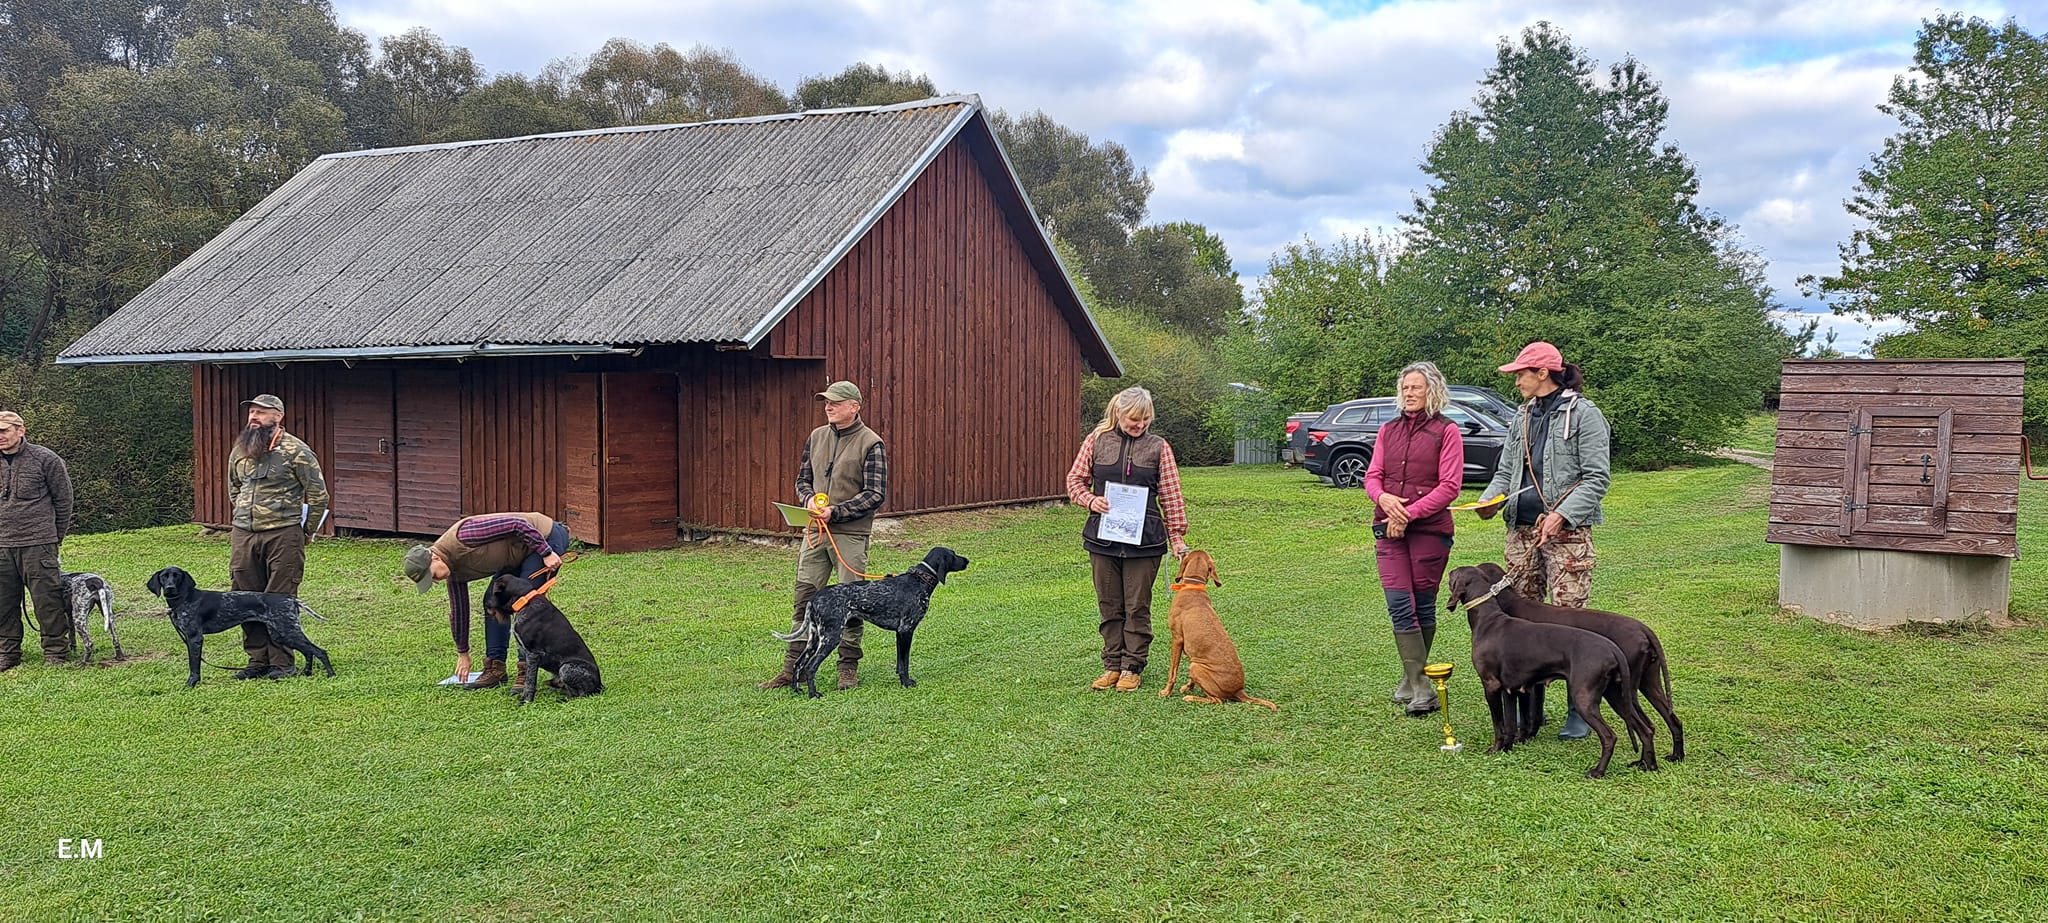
{"x":627,"y":327}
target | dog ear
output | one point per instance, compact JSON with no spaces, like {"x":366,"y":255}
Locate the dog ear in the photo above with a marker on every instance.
{"x":156,"y":584}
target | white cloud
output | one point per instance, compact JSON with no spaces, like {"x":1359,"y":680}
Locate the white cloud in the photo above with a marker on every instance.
{"x":1267,"y":120}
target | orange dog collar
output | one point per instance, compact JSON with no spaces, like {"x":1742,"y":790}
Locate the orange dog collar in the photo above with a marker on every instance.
{"x":1190,"y":586}
{"x":543,"y":588}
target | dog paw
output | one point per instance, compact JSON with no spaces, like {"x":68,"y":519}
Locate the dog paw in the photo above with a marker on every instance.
{"x":908,"y":682}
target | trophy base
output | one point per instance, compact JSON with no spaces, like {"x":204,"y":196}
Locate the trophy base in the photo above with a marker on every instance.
{"x":1452,"y":748}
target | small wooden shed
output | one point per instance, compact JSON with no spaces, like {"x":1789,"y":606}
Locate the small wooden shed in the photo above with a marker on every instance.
{"x":1895,"y":488}
{"x":627,"y":328}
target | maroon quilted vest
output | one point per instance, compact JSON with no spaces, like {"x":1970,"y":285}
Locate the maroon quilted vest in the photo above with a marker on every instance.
{"x":1407,"y":450}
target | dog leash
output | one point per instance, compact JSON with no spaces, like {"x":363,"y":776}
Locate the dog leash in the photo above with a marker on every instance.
{"x":542,"y":590}
{"x":1491,"y":592}
{"x":811,"y":541}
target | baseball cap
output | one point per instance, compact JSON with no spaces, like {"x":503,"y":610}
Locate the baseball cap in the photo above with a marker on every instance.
{"x":10,"y":418}
{"x":270,"y":401}
{"x":1537,"y":355}
{"x":840,"y":391}
{"x":419,"y":569}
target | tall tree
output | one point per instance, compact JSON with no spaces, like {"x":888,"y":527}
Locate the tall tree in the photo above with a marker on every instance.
{"x":644,"y":86}
{"x":1557,"y":211}
{"x":863,"y":85}
{"x":428,"y":79}
{"x":1955,"y":208}
{"x":1089,"y":195}
{"x":1180,"y":274}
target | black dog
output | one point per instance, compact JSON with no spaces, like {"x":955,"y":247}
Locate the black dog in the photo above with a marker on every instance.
{"x":1512,"y":657}
{"x":895,"y":603}
{"x":196,"y":613}
{"x":82,"y":594}
{"x":546,"y":639}
{"x":1638,"y":643}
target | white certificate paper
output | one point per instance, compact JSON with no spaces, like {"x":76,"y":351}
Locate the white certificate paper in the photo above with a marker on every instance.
{"x":1125,"y":521}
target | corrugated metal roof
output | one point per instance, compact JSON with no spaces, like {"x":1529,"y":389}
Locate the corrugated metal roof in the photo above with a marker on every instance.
{"x":622,"y":237}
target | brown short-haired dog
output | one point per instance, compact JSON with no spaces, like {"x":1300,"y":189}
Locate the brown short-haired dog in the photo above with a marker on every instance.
{"x":1212,"y":660}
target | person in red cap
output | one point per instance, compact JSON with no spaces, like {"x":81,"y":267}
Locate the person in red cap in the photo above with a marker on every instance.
{"x":1554,"y":471}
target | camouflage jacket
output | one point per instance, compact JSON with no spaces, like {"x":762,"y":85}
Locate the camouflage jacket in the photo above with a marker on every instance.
{"x":279,"y":488}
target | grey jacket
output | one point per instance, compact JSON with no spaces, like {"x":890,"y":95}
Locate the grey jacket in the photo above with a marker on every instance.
{"x":35,"y":498}
{"x":1574,"y":454}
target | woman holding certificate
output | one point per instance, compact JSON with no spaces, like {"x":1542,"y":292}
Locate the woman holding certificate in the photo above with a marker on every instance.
{"x":1418,"y":465}
{"x":1127,"y":478}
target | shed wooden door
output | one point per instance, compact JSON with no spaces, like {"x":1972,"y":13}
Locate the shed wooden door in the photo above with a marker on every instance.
{"x":640,"y":471}
{"x":1897,"y":477}
{"x":429,"y":440}
{"x":364,"y":469}
{"x":582,"y":484}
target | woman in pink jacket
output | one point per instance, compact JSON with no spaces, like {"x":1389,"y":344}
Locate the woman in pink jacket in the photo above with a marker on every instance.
{"x":1418,"y":466}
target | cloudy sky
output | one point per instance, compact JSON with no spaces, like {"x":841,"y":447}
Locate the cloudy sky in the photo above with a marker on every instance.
{"x":1271,"y":120}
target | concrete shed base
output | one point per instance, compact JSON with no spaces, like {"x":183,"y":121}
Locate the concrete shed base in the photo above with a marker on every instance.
{"x":1869,"y":588}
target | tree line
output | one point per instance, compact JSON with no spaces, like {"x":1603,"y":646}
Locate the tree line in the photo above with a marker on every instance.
{"x":131,"y":132}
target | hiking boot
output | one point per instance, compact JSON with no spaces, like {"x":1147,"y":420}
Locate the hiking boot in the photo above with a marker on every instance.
{"x":849,"y":674}
{"x":1106,"y":680}
{"x":1128,"y":681}
{"x":281,"y":673}
{"x":493,"y":676}
{"x":55,"y":660}
{"x":253,"y":671}
{"x":788,"y":675}
{"x":9,"y":662}
{"x":1575,"y":727}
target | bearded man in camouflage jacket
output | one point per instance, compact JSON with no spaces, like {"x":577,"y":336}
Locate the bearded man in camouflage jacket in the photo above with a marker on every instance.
{"x":280,"y":501}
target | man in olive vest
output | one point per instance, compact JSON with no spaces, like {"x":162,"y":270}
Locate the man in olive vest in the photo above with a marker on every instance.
{"x":843,"y":460}
{"x":280,"y":501}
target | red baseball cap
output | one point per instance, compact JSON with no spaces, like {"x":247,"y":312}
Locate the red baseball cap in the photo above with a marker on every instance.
{"x":1537,"y":355}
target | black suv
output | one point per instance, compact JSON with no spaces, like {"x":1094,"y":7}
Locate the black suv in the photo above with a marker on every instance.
{"x":1340,"y":441}
{"x":1483,"y":399}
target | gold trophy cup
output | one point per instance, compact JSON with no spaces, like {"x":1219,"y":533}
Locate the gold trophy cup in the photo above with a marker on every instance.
{"x":1438,"y":673}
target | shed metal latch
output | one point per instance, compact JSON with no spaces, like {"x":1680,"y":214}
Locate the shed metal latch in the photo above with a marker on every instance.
{"x":1855,"y":430}
{"x":1850,"y":507}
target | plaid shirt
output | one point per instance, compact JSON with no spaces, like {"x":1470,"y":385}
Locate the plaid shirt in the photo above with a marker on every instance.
{"x":1171,"y":506}
{"x":874,"y":485}
{"x":474,"y":531}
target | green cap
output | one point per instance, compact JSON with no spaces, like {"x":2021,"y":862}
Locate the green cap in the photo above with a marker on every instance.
{"x":270,"y":401}
{"x":840,"y":391}
{"x":419,"y":562}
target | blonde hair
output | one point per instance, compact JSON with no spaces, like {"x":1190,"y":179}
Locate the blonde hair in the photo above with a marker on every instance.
{"x":1436,"y":394}
{"x":1130,"y":402}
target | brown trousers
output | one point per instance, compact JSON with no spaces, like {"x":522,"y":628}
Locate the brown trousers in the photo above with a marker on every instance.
{"x":32,"y":571}
{"x":272,"y":561}
{"x":1123,"y":594}
{"x":814,"y":567}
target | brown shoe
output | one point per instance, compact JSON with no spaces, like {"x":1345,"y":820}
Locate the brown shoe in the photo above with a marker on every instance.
{"x":494,"y":676}
{"x":9,"y":662}
{"x":1106,"y":680}
{"x":1127,"y":682}
{"x":781,"y":680}
{"x":849,"y":674}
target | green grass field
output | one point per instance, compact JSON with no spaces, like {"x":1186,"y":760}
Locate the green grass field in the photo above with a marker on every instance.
{"x":1833,"y":775}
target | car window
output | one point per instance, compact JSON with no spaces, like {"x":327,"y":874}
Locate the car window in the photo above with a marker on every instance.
{"x":1382,"y":413}
{"x":1459,"y":415}
{"x":1351,"y":415}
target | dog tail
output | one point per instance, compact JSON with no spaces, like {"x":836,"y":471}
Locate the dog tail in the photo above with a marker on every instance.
{"x":308,"y":610}
{"x":1243,"y":696}
{"x":805,"y":631}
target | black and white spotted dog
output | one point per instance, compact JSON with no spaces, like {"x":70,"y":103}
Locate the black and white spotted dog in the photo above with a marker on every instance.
{"x":196,"y":613}
{"x":896,"y":603}
{"x":82,"y":594}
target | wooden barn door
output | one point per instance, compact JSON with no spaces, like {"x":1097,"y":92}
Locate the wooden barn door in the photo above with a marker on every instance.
{"x":582,"y":484}
{"x":429,"y":440}
{"x":640,"y":471}
{"x":1897,"y":477}
{"x":363,"y":472}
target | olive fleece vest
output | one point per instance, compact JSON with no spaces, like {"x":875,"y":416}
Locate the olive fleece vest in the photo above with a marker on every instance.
{"x":838,"y":469}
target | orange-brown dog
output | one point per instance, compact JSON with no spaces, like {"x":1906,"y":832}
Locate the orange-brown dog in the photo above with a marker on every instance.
{"x":1212,"y":660}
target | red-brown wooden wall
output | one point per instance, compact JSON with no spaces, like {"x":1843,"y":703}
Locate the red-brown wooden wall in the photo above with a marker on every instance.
{"x":972,"y":375}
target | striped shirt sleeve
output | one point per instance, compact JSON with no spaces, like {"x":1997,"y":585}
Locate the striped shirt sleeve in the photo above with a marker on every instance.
{"x":1171,"y":504}
{"x":478,"y":530}
{"x":1078,"y":479}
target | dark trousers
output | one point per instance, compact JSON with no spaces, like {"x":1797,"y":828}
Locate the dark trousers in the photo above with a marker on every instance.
{"x":31,"y":572}
{"x":498,"y":635}
{"x":1123,"y":594}
{"x":272,"y":561}
{"x":1411,"y":569}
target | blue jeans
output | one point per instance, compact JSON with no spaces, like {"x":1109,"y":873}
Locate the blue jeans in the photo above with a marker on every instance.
{"x":498,"y":635}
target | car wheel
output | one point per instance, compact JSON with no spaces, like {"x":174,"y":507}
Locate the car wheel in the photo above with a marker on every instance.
{"x":1348,"y":470}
